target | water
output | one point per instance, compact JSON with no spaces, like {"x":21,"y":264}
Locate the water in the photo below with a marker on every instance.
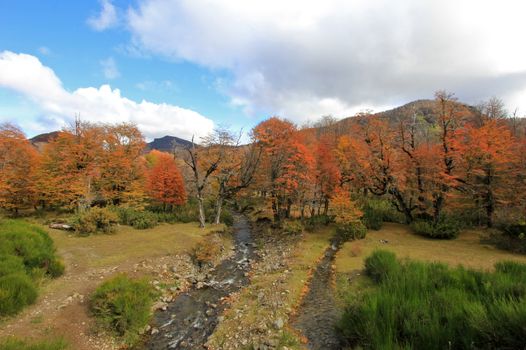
{"x":192,"y":317}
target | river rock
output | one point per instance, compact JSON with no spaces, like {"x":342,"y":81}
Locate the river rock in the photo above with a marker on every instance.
{"x":279,"y":323}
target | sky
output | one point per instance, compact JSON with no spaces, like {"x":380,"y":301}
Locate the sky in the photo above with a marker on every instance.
{"x":183,"y":67}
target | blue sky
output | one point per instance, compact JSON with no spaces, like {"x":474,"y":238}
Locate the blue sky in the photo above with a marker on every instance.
{"x":58,"y":34}
{"x":181,"y":67}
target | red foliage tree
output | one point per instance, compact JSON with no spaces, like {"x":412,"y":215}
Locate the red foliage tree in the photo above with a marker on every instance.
{"x":165,"y":183}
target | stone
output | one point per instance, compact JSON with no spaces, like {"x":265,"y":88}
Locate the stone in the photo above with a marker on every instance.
{"x":154,"y":331}
{"x":279,"y":323}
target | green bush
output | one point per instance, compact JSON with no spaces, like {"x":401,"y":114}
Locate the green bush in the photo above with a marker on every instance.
{"x":292,"y":227}
{"x":137,"y":219}
{"x":380,"y":265}
{"x":56,"y":268}
{"x":17,"y":344}
{"x":316,"y":221}
{"x":444,"y":229}
{"x":417,"y":305}
{"x":16,"y":292}
{"x":96,"y":220}
{"x":507,"y":242}
{"x":11,"y":264}
{"x":123,"y":306}
{"x":26,"y":255}
{"x":352,"y":231}
{"x":20,"y":241}
{"x":513,"y":229}
{"x":376,"y":211}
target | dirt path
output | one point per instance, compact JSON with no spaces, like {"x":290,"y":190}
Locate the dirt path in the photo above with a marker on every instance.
{"x":318,"y":313}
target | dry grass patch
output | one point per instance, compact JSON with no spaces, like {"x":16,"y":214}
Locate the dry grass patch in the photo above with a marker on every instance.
{"x":465,"y":250}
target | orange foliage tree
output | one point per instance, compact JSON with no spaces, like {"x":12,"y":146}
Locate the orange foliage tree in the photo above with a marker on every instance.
{"x":287,"y":166}
{"x":164,"y":182}
{"x":92,"y":162}
{"x":18,"y":167}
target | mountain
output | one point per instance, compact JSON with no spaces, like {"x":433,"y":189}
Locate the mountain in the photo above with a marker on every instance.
{"x":40,"y":140}
{"x":167,"y":143}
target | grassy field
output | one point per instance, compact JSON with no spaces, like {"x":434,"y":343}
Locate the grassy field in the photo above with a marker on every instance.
{"x":61,"y":309}
{"x":466,"y":249}
{"x":128,"y":244}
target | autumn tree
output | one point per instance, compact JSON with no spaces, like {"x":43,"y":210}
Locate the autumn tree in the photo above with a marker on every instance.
{"x":327,"y":171}
{"x":92,"y":162}
{"x":121,"y":172}
{"x":487,"y":163}
{"x":287,"y":165}
{"x":164,"y":181}
{"x":236,"y":172}
{"x":18,"y":166}
{"x":205,"y":160}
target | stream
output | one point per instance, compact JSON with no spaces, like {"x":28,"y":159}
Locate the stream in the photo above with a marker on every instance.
{"x":318,"y":314}
{"x":192,"y":317}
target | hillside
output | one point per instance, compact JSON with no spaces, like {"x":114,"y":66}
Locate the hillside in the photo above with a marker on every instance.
{"x":166,"y":143}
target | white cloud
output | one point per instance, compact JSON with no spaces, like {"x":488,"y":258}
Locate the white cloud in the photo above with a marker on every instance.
{"x":26,"y":75}
{"x":109,"y":68}
{"x":107,"y":17}
{"x":306,"y":57}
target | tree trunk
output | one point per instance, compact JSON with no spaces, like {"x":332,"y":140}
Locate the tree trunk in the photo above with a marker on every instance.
{"x":326,"y":206}
{"x":202,"y":219}
{"x":219,"y":205}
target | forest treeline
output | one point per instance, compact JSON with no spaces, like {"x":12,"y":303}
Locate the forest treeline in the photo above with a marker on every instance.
{"x":449,"y":158}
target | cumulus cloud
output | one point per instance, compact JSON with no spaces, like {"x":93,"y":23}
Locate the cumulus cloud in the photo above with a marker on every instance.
{"x":26,"y":75}
{"x":306,"y":58}
{"x":107,"y":17}
{"x":109,"y":68}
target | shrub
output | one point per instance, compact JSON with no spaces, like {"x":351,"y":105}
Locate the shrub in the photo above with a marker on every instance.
{"x":56,"y":268}
{"x":205,"y":251}
{"x":380,"y":265}
{"x":513,"y":229}
{"x":507,"y":242}
{"x":372,"y":219}
{"x":26,"y":254}
{"x":444,"y":229}
{"x":96,"y":220}
{"x":17,"y":344}
{"x":352,"y":231}
{"x":11,"y":264}
{"x":16,"y":291}
{"x":123,"y":306}
{"x":20,"y":241}
{"x":292,"y":227}
{"x":316,"y":221}
{"x":417,"y":305}
{"x":137,"y":219}
{"x":377,"y":210}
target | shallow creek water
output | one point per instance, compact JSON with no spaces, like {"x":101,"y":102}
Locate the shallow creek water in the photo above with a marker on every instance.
{"x":192,"y":317}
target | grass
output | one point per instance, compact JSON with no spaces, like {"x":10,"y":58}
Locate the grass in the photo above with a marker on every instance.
{"x":416,"y":305}
{"x":128,"y":244}
{"x":288,"y":287}
{"x":18,"y":344}
{"x":465,"y":250}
